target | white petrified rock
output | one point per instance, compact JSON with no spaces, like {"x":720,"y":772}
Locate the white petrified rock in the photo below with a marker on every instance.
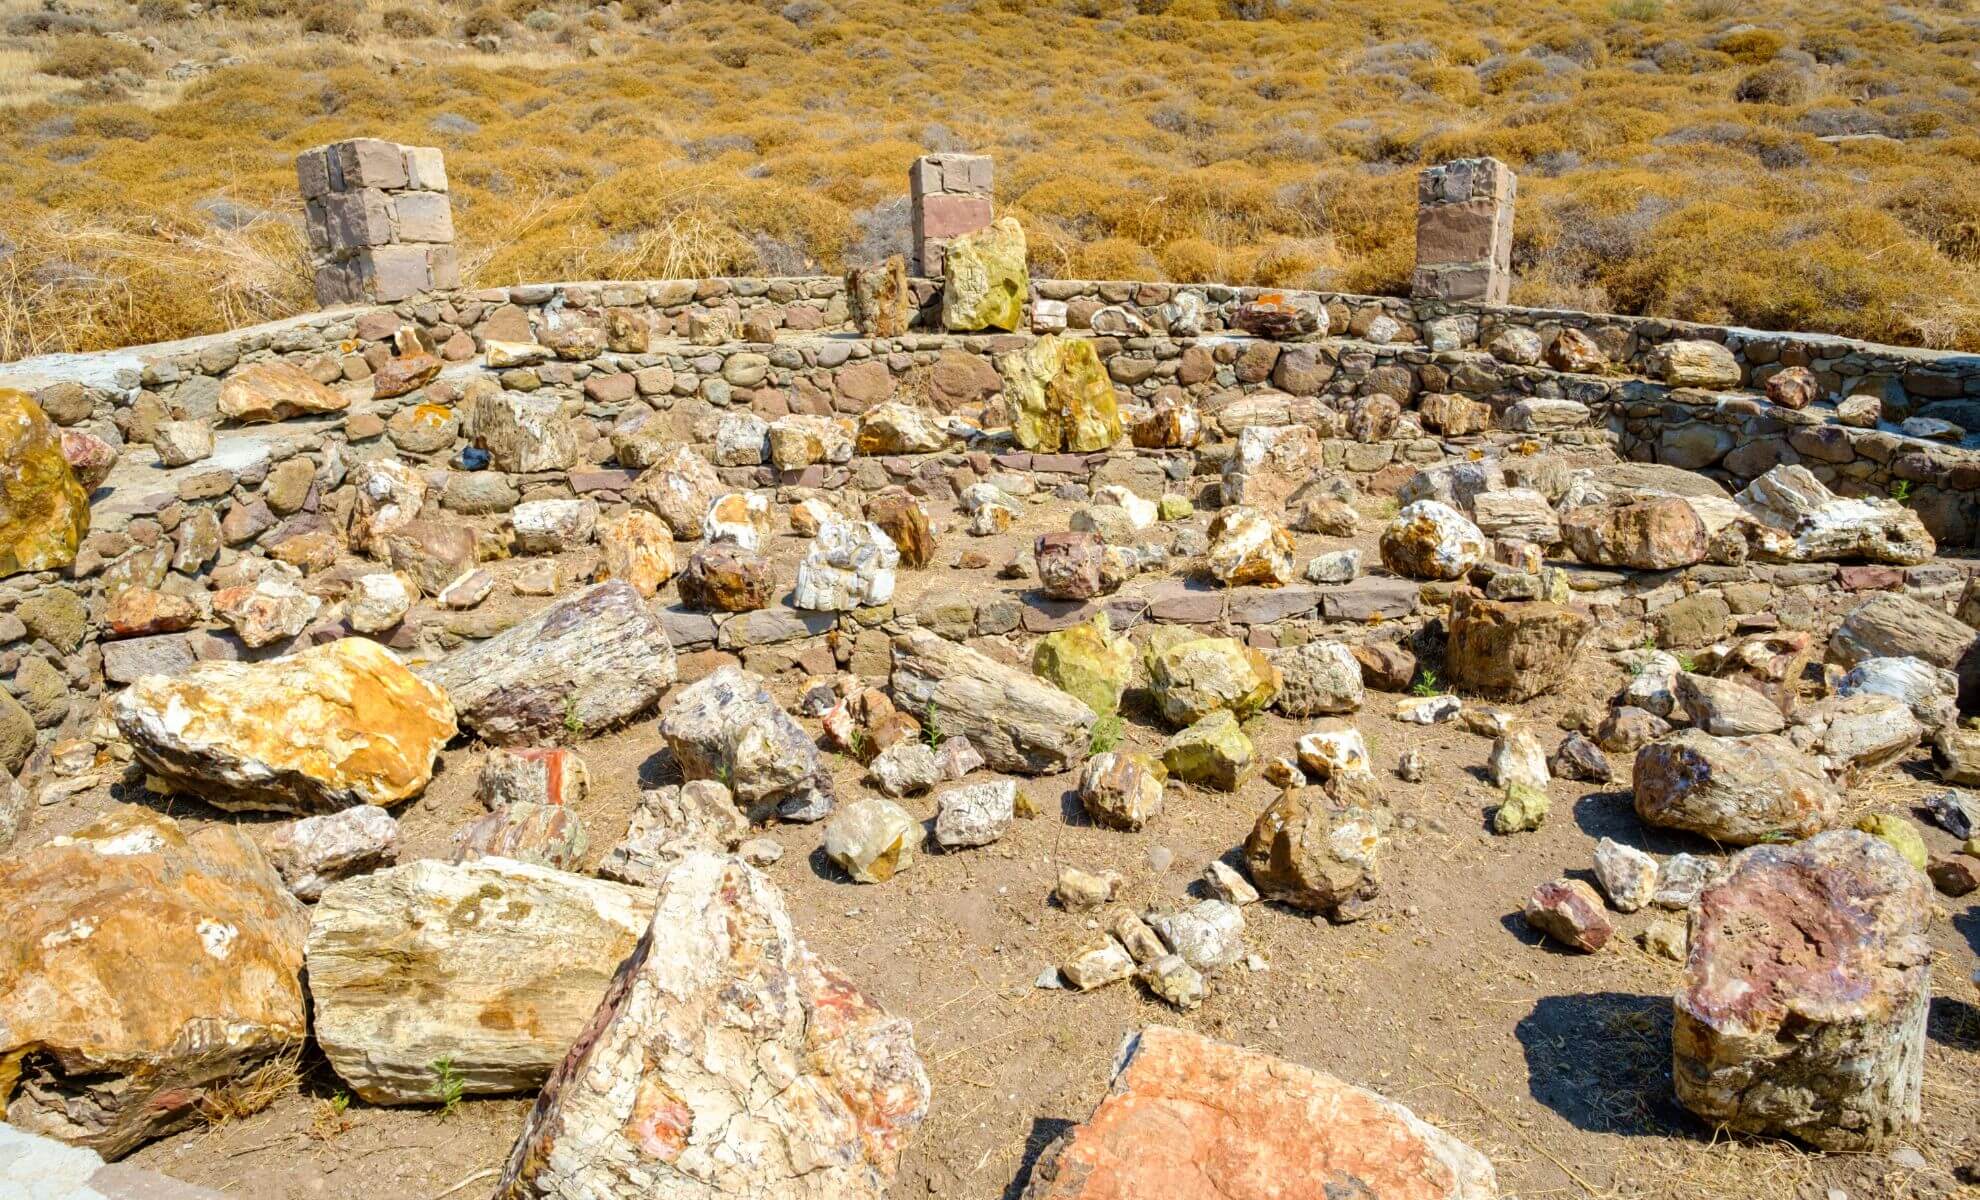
{"x":315,"y":852}
{"x":520,"y":953}
{"x":1799,"y":520}
{"x":850,"y":565}
{"x":725,"y":1060}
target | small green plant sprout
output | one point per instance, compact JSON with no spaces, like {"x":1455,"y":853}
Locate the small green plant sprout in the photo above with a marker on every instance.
{"x":1687,"y":664}
{"x":450,"y":1084}
{"x":1426,"y":684}
{"x":339,"y":1101}
{"x":931,"y":727}
{"x":1106,"y":733}
{"x":572,"y":724}
{"x":856,"y":744}
{"x":1901,"y":491}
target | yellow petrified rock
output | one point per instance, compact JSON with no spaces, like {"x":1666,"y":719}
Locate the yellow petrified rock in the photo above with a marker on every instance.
{"x":638,"y":548}
{"x":984,"y":283}
{"x":144,"y":968}
{"x":1061,"y":395}
{"x":44,"y":512}
{"x":274,"y":390}
{"x":326,"y":728}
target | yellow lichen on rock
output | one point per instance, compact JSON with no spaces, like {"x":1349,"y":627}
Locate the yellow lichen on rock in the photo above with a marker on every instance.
{"x":1061,"y":396}
{"x":984,"y":279}
{"x":332,"y":726}
{"x":44,"y":511}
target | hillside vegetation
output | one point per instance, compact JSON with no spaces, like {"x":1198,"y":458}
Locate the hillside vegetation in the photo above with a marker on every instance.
{"x":1804,"y":165}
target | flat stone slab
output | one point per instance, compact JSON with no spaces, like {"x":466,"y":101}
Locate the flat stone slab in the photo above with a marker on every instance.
{"x":40,"y":1168}
{"x":1366,"y":598}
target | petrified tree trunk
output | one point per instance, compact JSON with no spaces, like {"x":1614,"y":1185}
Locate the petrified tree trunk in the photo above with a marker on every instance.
{"x":1804,"y":1000}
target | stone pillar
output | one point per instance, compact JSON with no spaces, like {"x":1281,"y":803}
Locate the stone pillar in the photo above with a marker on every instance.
{"x":380,"y":229}
{"x":1464,"y":225}
{"x":951,"y":197}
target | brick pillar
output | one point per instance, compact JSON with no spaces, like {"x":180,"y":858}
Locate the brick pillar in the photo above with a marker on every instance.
{"x":951,"y":196}
{"x":379,"y":226}
{"x":1464,"y":227}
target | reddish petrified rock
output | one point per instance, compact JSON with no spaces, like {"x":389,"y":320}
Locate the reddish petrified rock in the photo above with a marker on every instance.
{"x":1793,"y":387}
{"x":904,"y":519}
{"x":407,"y":373}
{"x":1511,"y":650}
{"x":1735,"y":790}
{"x":724,"y":1060}
{"x":1189,"y":1118}
{"x":1078,"y":565}
{"x":1653,"y":533}
{"x":725,"y":578}
{"x":1805,"y":994}
{"x":1570,"y":912}
{"x":137,"y":611}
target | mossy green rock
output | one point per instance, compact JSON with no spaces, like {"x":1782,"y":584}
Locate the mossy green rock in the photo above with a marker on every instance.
{"x":1063,"y":397}
{"x":1172,"y":507}
{"x":1087,"y":661}
{"x":984,"y":279}
{"x":1523,"y":809}
{"x":1195,"y":677}
{"x":1900,"y":833}
{"x":1213,"y":753}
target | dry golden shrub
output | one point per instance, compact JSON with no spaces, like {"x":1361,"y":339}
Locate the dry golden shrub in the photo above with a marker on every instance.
{"x":1205,"y":140}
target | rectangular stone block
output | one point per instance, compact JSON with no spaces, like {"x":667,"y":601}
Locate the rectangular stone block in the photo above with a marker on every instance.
{"x":924,"y":177}
{"x":336,"y":284}
{"x":369,"y":163}
{"x":1465,"y":231}
{"x":947,"y":216}
{"x":1482,"y":283}
{"x":313,"y":172}
{"x":1466,"y":179}
{"x":392,"y":273}
{"x":358,"y":218}
{"x":316,"y":224}
{"x":443,"y":266}
{"x":423,"y":217}
{"x":426,"y":168}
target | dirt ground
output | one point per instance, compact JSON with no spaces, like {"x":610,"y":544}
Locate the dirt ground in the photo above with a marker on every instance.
{"x":1556,"y":1065}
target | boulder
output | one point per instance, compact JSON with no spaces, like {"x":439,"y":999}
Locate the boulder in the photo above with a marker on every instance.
{"x":389,"y":496}
{"x":1334,"y":749}
{"x":1195,"y":677}
{"x":1317,"y":679}
{"x":533,"y":775}
{"x":1692,"y":363}
{"x":332,"y":726}
{"x":1570,"y":912}
{"x":1517,"y":513}
{"x":1078,"y":564}
{"x":872,"y":839}
{"x":275,"y":390}
{"x":678,"y":488}
{"x":523,"y":954}
{"x":1651,"y":533}
{"x":1797,"y":519}
{"x":524,"y":432}
{"x":877,"y":299}
{"x":1018,"y":722}
{"x":1122,"y":790}
{"x":1803,"y":1007}
{"x":1061,"y":397}
{"x":1726,"y":707}
{"x":896,"y":427}
{"x":671,"y":823}
{"x":1894,"y":625}
{"x":315,"y":852}
{"x":544,"y":835}
{"x":1854,"y":735}
{"x":728,"y":727}
{"x":1627,"y":874}
{"x":1793,"y":387}
{"x":1305,"y":854}
{"x":1431,"y":540}
{"x":906,"y":768}
{"x":903,"y":517}
{"x":147,"y":969}
{"x":273,"y":608}
{"x":725,"y":578}
{"x":1273,"y":468}
{"x":44,"y":511}
{"x":802,"y":440}
{"x":636,"y":546}
{"x":985,"y":280}
{"x":90,"y":457}
{"x":1188,"y":1118}
{"x":976,"y":815}
{"x":665,"y":1094}
{"x":850,"y":565}
{"x":1453,"y":415}
{"x":1734,"y":790}
{"x":1248,"y":548}
{"x":1213,"y":753}
{"x":1087,"y":661}
{"x":1512,"y":650}
{"x":404,"y":374}
{"x":1931,"y":693}
{"x":584,"y":664}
